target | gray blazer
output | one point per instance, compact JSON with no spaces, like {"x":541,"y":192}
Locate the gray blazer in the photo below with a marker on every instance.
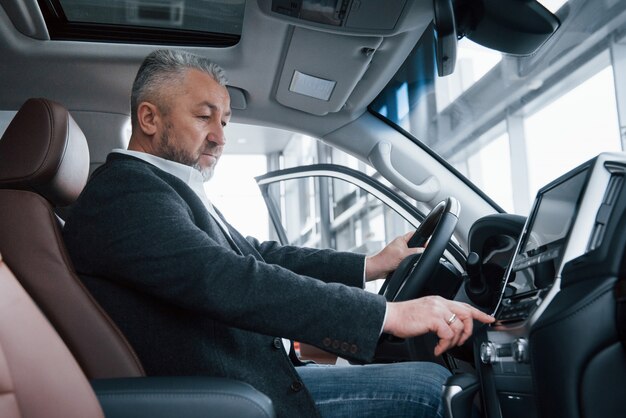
{"x":193,"y":302}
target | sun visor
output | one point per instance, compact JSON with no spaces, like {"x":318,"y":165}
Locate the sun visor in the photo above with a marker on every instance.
{"x":321,"y":69}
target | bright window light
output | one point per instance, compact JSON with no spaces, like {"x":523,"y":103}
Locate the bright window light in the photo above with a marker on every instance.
{"x":572,"y":129}
{"x":473,"y":61}
{"x":552,"y":5}
{"x":235,"y":193}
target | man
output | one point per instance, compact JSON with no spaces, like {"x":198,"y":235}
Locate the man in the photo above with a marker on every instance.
{"x":195,"y":297}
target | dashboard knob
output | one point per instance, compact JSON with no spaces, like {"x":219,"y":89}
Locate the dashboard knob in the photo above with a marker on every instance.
{"x":487,"y":352}
{"x":520,"y":350}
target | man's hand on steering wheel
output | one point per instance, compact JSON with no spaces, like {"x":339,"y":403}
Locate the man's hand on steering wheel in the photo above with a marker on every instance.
{"x":413,"y":272}
{"x":452,"y":321}
{"x":409,"y":315}
{"x":389,"y":258}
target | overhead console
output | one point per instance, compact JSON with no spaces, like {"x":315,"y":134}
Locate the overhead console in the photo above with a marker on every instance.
{"x":373,"y":17}
{"x":335,"y":43}
{"x":555,"y":314}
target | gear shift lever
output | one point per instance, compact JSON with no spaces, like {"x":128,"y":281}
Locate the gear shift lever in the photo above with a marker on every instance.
{"x":458,"y":395}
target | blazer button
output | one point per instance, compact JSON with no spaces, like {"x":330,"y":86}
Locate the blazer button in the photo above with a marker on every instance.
{"x":336,"y":344}
{"x":277,"y":343}
{"x":296,"y":386}
{"x":344,"y":347}
{"x":326,"y":342}
{"x":353,"y":348}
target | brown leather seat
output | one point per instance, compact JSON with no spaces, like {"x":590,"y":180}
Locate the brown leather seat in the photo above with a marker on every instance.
{"x":44,"y":163}
{"x":38,"y":375}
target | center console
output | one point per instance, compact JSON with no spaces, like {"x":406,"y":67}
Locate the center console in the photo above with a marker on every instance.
{"x":555,"y":312}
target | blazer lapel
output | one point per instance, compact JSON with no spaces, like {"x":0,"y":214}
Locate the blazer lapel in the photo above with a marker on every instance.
{"x":237,"y":241}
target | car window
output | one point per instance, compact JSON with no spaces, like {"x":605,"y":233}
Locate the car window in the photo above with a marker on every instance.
{"x":511,"y":124}
{"x":318,"y":212}
{"x":192,"y":22}
{"x":323,"y":212}
{"x":198,"y":15}
{"x":235,"y":193}
{"x":5,"y":119}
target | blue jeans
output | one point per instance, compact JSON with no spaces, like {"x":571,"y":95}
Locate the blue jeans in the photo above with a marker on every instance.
{"x":377,"y":390}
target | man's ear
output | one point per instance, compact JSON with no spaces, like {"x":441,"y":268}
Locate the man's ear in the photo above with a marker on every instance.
{"x":148,"y":117}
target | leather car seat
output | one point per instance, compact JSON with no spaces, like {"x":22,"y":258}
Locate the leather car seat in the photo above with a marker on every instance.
{"x":44,"y":163}
{"x":40,"y":378}
{"x":38,"y":375}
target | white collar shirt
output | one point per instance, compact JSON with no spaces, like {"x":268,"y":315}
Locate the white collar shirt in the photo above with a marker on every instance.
{"x":192,"y":177}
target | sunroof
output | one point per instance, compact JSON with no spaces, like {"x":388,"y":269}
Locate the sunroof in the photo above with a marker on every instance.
{"x":182,"y":22}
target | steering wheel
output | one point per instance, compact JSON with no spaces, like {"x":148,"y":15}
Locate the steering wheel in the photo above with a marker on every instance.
{"x":411,"y":276}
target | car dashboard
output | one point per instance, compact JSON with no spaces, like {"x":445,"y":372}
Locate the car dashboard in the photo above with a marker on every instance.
{"x":554,"y":349}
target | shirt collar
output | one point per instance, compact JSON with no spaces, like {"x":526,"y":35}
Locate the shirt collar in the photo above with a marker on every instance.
{"x":192,"y":177}
{"x":188,"y":175}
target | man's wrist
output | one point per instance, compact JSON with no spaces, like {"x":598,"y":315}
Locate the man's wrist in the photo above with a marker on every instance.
{"x":383,"y":327}
{"x":372,"y":271}
{"x":389,"y":317}
{"x":364,"y":272}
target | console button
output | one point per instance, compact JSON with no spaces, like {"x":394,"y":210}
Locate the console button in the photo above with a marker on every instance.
{"x":504,"y":351}
{"x":488,"y":352}
{"x":520,"y":350}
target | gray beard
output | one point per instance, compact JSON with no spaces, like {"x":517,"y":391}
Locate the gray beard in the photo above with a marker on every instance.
{"x":207,"y":173}
{"x":170,"y":152}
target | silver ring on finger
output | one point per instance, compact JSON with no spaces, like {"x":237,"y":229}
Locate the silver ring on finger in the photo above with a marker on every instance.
{"x":451,"y":319}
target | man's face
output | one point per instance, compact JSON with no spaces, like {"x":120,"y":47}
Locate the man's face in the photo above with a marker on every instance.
{"x":194,"y":118}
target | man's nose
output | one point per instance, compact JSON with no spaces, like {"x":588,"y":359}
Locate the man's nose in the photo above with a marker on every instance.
{"x":217,"y":135}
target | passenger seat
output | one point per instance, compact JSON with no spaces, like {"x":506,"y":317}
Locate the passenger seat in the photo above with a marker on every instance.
{"x":39,"y":378}
{"x":38,"y":375}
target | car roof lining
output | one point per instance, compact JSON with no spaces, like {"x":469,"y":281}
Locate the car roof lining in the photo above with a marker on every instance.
{"x":94,"y":76}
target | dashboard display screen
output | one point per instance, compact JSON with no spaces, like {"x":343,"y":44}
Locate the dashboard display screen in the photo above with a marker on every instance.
{"x":540,"y":251}
{"x":554,"y":215}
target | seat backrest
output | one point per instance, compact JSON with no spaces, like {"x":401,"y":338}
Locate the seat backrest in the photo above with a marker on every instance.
{"x":38,"y":375}
{"x":44,"y":163}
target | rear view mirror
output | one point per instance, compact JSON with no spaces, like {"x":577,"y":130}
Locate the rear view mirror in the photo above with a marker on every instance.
{"x":517,"y":27}
{"x":444,"y":32}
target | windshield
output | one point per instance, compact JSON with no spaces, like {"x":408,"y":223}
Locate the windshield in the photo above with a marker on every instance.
{"x":512,"y":124}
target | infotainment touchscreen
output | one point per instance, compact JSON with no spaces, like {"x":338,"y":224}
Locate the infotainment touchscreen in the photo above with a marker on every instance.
{"x":540,"y":250}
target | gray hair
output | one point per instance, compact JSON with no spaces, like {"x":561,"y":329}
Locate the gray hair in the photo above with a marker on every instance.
{"x":165,"y":67}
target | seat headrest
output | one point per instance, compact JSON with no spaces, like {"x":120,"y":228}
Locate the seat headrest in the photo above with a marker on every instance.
{"x":43,"y":150}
